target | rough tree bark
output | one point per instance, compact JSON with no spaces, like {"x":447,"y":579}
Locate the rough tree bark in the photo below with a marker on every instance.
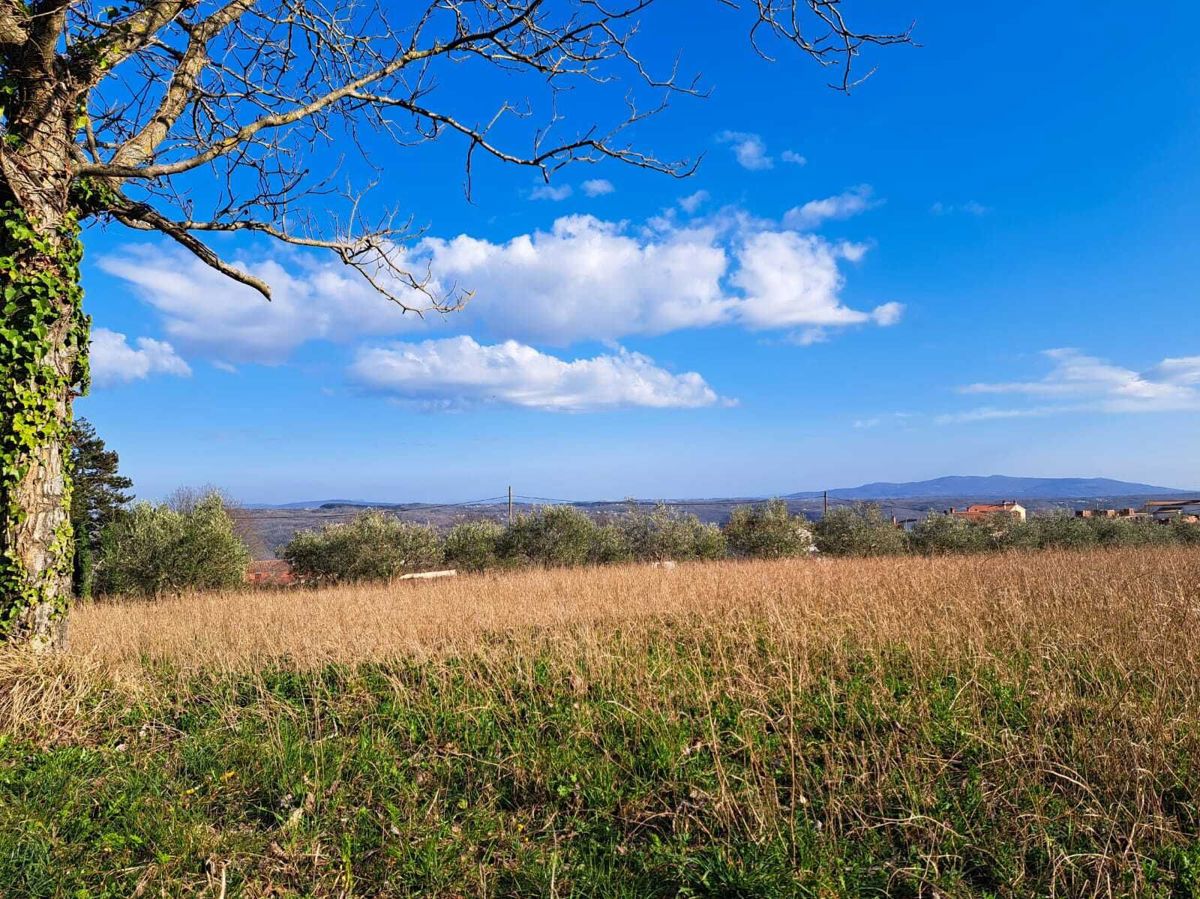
{"x":43,"y":341}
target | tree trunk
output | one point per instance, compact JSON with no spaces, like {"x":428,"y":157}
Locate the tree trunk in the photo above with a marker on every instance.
{"x":43,"y":351}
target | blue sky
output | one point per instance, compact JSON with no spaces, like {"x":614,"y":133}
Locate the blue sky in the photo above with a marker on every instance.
{"x":984,"y":260}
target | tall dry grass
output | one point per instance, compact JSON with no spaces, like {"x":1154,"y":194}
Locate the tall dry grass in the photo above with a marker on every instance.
{"x":1131,"y":611}
{"x":1133,"y":606}
{"x":982,"y":725}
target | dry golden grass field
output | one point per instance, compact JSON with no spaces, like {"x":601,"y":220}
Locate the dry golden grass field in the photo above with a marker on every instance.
{"x":1005,"y":725}
{"x":1120,"y":603}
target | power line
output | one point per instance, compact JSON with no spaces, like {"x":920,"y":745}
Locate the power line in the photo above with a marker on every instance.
{"x":653,"y":502}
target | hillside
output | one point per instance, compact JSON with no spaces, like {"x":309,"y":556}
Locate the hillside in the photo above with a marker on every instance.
{"x":996,"y":487}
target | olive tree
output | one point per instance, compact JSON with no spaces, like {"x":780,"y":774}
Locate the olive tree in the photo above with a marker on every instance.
{"x":768,"y":531}
{"x":193,"y":118}
{"x":860,"y":530}
{"x":374,"y":546}
{"x":172,"y":547}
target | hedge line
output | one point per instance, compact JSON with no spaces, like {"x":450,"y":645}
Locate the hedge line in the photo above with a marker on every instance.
{"x":376,"y":546}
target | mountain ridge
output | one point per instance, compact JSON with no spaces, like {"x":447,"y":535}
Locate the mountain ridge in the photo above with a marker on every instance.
{"x":950,"y":486}
{"x":995,"y":487}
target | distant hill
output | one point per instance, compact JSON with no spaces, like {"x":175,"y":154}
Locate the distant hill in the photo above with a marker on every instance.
{"x":996,"y":487}
{"x":313,"y":504}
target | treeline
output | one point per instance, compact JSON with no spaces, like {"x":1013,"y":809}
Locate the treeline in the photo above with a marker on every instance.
{"x":378,"y":546}
{"x":191,"y":542}
{"x":863,"y":531}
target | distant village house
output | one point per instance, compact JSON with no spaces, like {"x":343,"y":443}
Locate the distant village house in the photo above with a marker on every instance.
{"x":981,"y":511}
{"x":1163,"y":511}
{"x":270,"y":573}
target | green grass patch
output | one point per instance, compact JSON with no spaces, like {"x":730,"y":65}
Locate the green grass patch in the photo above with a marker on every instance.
{"x":677,"y":766}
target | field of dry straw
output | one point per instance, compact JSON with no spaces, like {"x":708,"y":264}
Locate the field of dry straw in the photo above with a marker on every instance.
{"x":1007,"y":725}
{"x":1130,"y":608}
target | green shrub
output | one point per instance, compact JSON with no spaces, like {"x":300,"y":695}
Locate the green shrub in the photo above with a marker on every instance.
{"x":609,"y":545}
{"x":666,"y":533}
{"x":1005,"y":532}
{"x":373,"y":546}
{"x":941,"y":534}
{"x":710,"y":543}
{"x":158,"y":549}
{"x":1063,"y":531}
{"x":474,"y":545}
{"x":1184,"y":532}
{"x":859,"y":531}
{"x":1129,"y":532}
{"x":768,"y":531}
{"x":553,"y":536}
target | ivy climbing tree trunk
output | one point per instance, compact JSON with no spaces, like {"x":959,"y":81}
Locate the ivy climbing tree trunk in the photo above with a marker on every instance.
{"x":43,"y":352}
{"x":41,"y":367}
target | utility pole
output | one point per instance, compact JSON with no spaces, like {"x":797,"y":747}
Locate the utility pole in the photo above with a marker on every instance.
{"x":510,"y":505}
{"x":825,"y":511}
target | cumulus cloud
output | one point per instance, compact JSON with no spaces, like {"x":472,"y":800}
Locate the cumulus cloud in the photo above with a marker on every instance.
{"x":551,"y":192}
{"x":458,"y":371}
{"x":888,"y":314}
{"x":587,"y":279}
{"x":693,"y":202}
{"x":789,"y":279}
{"x":815,"y":213}
{"x":749,"y":149}
{"x":114,"y":361}
{"x":792,"y":157}
{"x":582,"y":279}
{"x":597,"y":187}
{"x":314,"y":298}
{"x":1078,"y":382}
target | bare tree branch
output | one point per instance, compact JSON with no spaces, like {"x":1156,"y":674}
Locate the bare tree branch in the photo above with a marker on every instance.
{"x":218,"y":103}
{"x":144,"y":218}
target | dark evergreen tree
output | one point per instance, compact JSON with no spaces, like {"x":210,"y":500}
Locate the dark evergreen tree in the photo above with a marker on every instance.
{"x":97,"y":499}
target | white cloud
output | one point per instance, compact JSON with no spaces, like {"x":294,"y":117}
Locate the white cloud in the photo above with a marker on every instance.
{"x":789,"y":279}
{"x":313,"y":298}
{"x":597,"y":187}
{"x":1078,"y":382}
{"x":1182,"y":370}
{"x":892,"y":419}
{"x":888,"y":314}
{"x":587,"y":279}
{"x":550,"y":192}
{"x":749,"y":150}
{"x":692,"y":202}
{"x":459,"y":371}
{"x":815,"y":213}
{"x":791,"y":156}
{"x":971,"y":207}
{"x":114,"y":361}
{"x":583,"y":279}
{"x":990,"y":413}
{"x":809,"y":336}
